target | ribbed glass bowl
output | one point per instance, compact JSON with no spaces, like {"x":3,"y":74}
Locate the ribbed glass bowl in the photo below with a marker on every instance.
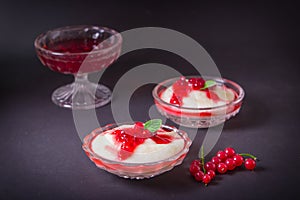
{"x":199,"y":117}
{"x":135,"y":170}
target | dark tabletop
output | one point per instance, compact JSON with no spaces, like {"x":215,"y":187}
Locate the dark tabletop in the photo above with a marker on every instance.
{"x":253,"y":44}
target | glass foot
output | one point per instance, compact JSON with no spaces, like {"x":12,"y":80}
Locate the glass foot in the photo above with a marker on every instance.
{"x":85,"y":95}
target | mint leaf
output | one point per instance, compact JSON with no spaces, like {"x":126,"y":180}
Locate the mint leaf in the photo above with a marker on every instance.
{"x":208,"y":84}
{"x":153,"y":125}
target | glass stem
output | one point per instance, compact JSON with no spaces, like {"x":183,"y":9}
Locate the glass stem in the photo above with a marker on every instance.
{"x":81,"y":83}
{"x":81,"y":78}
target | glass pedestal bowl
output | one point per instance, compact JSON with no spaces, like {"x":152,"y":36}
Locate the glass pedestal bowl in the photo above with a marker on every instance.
{"x":79,"y":50}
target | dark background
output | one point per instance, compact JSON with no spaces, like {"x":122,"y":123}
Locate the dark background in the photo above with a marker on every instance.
{"x":255,"y":44}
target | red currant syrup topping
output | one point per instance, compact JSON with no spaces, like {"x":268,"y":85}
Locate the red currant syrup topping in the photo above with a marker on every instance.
{"x":222,"y":155}
{"x":250,"y":164}
{"x":238,"y":159}
{"x":199,"y":176}
{"x":230,"y":152}
{"x":196,"y":83}
{"x":212,"y":95}
{"x":130,"y":138}
{"x":230,"y":163}
{"x":222,"y":168}
{"x":121,"y":136}
{"x":174,"y":100}
{"x":162,"y":139}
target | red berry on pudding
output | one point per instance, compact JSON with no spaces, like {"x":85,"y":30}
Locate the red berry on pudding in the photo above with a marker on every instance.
{"x":193,"y":93}
{"x":196,"y":83}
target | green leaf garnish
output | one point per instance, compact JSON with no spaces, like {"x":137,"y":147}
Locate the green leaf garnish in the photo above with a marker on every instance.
{"x":208,"y":84}
{"x":153,"y":125}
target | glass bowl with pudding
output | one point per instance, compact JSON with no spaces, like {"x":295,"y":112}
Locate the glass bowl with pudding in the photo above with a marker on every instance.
{"x":130,"y":150}
{"x":198,"y":102}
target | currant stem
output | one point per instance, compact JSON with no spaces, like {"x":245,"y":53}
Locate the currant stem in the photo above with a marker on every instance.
{"x":202,"y":159}
{"x":249,"y":155}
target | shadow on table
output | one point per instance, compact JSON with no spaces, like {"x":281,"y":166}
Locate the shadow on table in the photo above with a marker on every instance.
{"x":178,"y":181}
{"x":253,"y":113}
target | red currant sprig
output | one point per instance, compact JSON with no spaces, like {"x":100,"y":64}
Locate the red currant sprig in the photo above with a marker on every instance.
{"x":202,"y":172}
{"x":224,"y":161}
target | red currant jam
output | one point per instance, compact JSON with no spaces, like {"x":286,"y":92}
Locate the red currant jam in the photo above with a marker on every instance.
{"x":212,"y":95}
{"x":65,"y":60}
{"x":72,"y":46}
{"x":181,"y":89}
{"x":130,"y":138}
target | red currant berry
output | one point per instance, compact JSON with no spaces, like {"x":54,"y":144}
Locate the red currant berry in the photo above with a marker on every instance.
{"x":206,"y":179}
{"x":196,"y":162}
{"x":230,"y":163}
{"x":139,"y":124}
{"x":196,"y":83}
{"x":210,"y":166}
{"x":222,"y":168}
{"x":199,"y":176}
{"x":194,"y":169}
{"x":222,"y":155}
{"x":215,"y":160}
{"x":250,"y":164}
{"x":230,"y":152}
{"x":238,"y":159}
{"x":211,"y":173}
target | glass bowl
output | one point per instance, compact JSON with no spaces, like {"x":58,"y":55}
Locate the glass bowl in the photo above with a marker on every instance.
{"x":135,"y":170}
{"x":199,"y":117}
{"x":79,"y":50}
